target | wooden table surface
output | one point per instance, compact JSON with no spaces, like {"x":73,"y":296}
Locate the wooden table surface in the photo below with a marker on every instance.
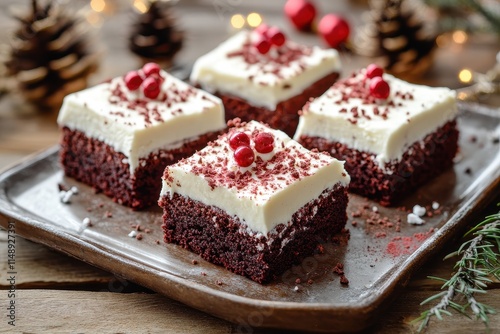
{"x":56,"y":293}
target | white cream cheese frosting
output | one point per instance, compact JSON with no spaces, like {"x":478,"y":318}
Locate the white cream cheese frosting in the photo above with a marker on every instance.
{"x":346,"y":113}
{"x":236,"y":68}
{"x":137,"y":126}
{"x":263,"y":195}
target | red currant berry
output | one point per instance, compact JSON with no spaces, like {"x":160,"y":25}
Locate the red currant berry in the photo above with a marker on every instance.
{"x":301,"y":13}
{"x":238,"y":139}
{"x":151,"y":68}
{"x":264,"y":142}
{"x":379,"y":88}
{"x":262,"y":29}
{"x":334,"y":30}
{"x":276,"y":36}
{"x":133,"y":80}
{"x":244,"y":156}
{"x":151,"y":88}
{"x":373,"y":71}
{"x":262,"y":44}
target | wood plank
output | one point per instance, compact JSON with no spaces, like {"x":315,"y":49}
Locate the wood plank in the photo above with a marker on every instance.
{"x":55,"y":311}
{"x":58,"y":311}
{"x":406,"y":307}
{"x":40,"y":266}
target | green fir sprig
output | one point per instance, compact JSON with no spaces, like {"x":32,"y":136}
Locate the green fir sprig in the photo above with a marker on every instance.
{"x":479,"y":263}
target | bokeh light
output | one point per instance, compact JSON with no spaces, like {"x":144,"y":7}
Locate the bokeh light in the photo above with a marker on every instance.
{"x":465,"y":75}
{"x":237,"y":21}
{"x":254,"y":20}
{"x":459,"y":37}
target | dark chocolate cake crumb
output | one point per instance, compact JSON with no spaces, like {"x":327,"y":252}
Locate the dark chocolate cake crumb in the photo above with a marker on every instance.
{"x":194,"y":262}
{"x":139,"y":236}
{"x":344,"y":280}
{"x":468,"y":171}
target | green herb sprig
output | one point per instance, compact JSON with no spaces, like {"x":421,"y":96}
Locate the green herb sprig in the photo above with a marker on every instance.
{"x":479,"y":263}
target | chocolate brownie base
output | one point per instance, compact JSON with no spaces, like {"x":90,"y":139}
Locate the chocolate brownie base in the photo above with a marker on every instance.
{"x":97,"y":164}
{"x":223,"y":240}
{"x":285,"y":117}
{"x":422,"y":161}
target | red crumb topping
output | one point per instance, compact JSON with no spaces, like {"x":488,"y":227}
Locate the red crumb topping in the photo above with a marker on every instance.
{"x":357,"y":87}
{"x":269,"y":172}
{"x":274,"y":61}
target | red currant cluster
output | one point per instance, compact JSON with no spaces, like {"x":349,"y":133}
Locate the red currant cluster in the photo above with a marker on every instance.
{"x":266,"y":37}
{"x":148,"y":78}
{"x":333,"y":28}
{"x":379,"y":88}
{"x":243,"y":153}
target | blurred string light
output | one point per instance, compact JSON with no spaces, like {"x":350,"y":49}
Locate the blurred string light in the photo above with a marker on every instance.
{"x":254,"y":20}
{"x":239,"y":21}
{"x":96,"y":9}
{"x":142,"y":6}
{"x":465,"y":76}
{"x":459,"y":36}
{"x":479,"y":84}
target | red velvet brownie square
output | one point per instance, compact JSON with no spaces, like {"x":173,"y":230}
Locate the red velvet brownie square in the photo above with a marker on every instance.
{"x":118,"y":136}
{"x":258,"y":212}
{"x":270,"y":87}
{"x":393,"y":135}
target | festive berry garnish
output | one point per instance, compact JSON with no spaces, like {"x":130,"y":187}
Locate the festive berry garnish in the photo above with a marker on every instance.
{"x":334,"y":30}
{"x":244,"y":156}
{"x":264,"y":142}
{"x":301,"y":13}
{"x":238,"y":139}
{"x":133,"y":80}
{"x":276,"y":36}
{"x":379,"y":88}
{"x":151,"y":88}
{"x":262,"y":29}
{"x":262,"y":44}
{"x":151,"y":68}
{"x":373,"y":71}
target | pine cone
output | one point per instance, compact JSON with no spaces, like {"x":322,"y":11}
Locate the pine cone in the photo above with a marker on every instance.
{"x":49,"y":56}
{"x":154,"y":36}
{"x":397,"y":37}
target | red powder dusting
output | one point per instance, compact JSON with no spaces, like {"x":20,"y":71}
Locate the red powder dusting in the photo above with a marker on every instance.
{"x":406,"y":245}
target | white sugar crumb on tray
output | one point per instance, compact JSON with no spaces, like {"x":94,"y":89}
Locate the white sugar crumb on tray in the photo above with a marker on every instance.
{"x":435,"y":205}
{"x":132,"y":234}
{"x":419,"y":210}
{"x":414,"y":219}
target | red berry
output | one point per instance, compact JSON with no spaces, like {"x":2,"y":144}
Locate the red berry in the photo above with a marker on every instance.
{"x":244,"y":156}
{"x":133,"y":80}
{"x":264,"y":142}
{"x":301,"y":13}
{"x":151,"y":88}
{"x":379,"y":88}
{"x":262,"y":29}
{"x":334,"y":30}
{"x":151,"y":68}
{"x":276,"y":36}
{"x":373,"y":71}
{"x":238,"y":139}
{"x":262,"y":44}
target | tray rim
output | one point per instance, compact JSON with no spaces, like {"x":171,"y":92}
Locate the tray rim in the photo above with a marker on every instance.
{"x":365,"y":309}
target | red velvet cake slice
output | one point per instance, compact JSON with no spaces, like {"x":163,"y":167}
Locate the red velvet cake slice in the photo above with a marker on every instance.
{"x":393,"y":135}
{"x":261,"y":77}
{"x":254,"y":201}
{"x":118,"y":136}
